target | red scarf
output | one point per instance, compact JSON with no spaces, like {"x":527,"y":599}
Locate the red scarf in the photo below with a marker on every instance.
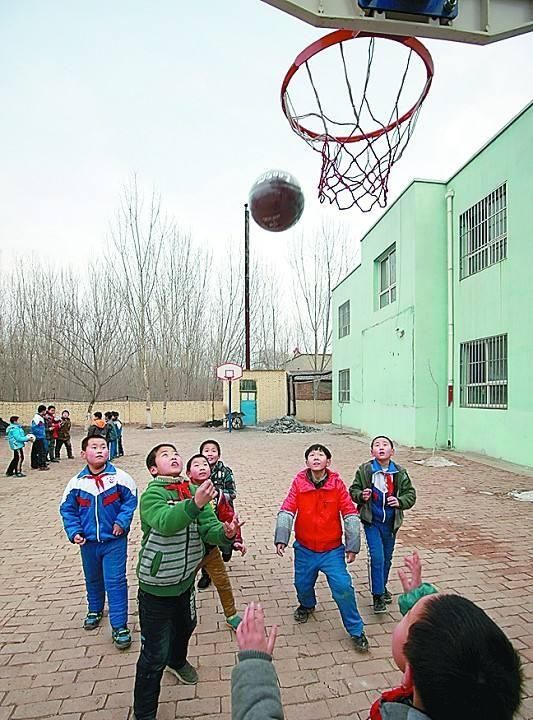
{"x":182,"y":488}
{"x":397,"y":694}
{"x":98,"y":480}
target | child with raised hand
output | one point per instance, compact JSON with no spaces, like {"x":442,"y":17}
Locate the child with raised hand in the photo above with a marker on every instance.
{"x":318,"y":498}
{"x":176,"y":520}
{"x":97,"y":509}
{"x":456,"y":663}
{"x":382,"y":490}
{"x":198,"y":471}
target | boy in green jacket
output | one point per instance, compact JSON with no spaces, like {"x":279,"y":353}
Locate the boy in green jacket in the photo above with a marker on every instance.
{"x":177,"y":519}
{"x":382,"y":490}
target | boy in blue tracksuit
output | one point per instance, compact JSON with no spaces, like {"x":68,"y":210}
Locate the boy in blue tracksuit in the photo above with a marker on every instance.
{"x":16,"y":438}
{"x":97,"y":508}
{"x":382,"y":490}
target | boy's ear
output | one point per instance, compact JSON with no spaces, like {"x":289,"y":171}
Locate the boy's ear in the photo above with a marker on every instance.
{"x":83,"y":455}
{"x":407,"y":679}
{"x":153,"y":470}
{"x":328,"y":462}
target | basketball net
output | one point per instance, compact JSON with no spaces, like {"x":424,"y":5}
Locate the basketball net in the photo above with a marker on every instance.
{"x":358,"y":152}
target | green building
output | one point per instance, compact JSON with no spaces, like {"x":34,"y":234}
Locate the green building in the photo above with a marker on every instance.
{"x":433,"y":331}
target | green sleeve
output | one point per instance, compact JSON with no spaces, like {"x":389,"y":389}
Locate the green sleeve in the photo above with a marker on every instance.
{"x":409,"y":600}
{"x":164,"y":518}
{"x":210,"y":528}
{"x":357,"y":487}
{"x":255,"y":691}
{"x":406,"y":493}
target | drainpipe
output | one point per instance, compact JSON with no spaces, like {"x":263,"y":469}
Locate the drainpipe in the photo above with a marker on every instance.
{"x":449,"y":233}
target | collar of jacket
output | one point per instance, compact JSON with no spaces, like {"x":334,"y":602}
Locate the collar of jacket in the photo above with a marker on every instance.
{"x":376,"y":467}
{"x":109,"y":469}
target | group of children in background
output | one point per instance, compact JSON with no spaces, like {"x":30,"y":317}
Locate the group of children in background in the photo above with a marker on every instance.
{"x":110,"y":428}
{"x":189,"y":524}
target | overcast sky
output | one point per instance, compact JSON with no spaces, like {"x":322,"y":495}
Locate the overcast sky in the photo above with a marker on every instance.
{"x":186,"y":95}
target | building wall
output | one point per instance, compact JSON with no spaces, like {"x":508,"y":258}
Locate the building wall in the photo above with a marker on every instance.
{"x":310,"y":411}
{"x":271,"y":393}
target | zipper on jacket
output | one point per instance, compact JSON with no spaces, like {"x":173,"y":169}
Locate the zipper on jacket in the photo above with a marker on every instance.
{"x":186,"y":553}
{"x":96,"y":518}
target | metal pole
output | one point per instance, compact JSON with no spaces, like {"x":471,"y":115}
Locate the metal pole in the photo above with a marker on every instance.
{"x":229,"y":407}
{"x":246,"y":287}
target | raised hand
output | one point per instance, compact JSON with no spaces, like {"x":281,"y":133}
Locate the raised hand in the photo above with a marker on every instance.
{"x":411,"y":574}
{"x":204,"y":494}
{"x":232,"y":528}
{"x":251,"y":634}
{"x":240,"y":547}
{"x":367,"y":494}
{"x":393,"y":501}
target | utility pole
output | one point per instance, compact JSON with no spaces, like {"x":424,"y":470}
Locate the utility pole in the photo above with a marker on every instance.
{"x":246,"y":287}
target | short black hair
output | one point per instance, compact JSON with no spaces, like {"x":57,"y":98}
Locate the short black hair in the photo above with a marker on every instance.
{"x":13,"y":418}
{"x":51,"y":407}
{"x":209,"y":442}
{"x":381,"y":437}
{"x":98,"y":414}
{"x":150,"y":458}
{"x":67,"y":411}
{"x":318,"y":446}
{"x":41,"y":408}
{"x":463,"y":664}
{"x":193,"y":457}
{"x":90,"y":436}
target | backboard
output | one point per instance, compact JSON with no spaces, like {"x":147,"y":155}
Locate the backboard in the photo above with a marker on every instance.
{"x":470,"y":21}
{"x":229,"y":371}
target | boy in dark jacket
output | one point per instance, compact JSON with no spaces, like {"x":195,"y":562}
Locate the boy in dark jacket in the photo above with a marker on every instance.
{"x":318,"y":498}
{"x":456,"y":663}
{"x":97,"y":509}
{"x":382,"y":491}
{"x":176,"y":520}
{"x":63,"y":435}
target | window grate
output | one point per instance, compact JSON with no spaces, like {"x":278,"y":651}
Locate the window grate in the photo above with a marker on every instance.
{"x":484,"y":373}
{"x":344,"y":386}
{"x":483,"y":233}
{"x":344,"y":319}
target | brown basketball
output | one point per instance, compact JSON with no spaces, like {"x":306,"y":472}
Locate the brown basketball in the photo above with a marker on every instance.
{"x":276,"y":201}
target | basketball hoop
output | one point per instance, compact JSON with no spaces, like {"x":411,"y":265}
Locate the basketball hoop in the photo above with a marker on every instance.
{"x":359,"y":151}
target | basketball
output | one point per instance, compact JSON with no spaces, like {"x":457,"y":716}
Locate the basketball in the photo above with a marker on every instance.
{"x":276,"y":201}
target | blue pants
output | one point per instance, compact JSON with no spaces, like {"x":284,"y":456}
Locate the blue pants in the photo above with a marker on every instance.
{"x":380,"y":540}
{"x":307,"y":565}
{"x":104,"y":565}
{"x":113,"y":449}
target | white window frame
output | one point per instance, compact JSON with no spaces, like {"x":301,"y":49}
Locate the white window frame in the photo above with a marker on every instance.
{"x":344,"y":387}
{"x":344,"y":319}
{"x":483,"y":233}
{"x":386,"y":278}
{"x":484,"y":373}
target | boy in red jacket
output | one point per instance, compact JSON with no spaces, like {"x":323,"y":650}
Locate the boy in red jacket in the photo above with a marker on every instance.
{"x":317,"y":498}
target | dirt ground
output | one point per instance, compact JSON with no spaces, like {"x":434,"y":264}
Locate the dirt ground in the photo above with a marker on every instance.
{"x":473,"y":539}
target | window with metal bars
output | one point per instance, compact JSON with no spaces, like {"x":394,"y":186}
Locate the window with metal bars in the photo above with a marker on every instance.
{"x":344,"y":319}
{"x":344,"y":386}
{"x":483,"y":233}
{"x":387,"y":277}
{"x":484,"y":373}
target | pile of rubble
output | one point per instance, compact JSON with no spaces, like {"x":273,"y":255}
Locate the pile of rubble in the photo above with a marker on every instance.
{"x":289,"y":424}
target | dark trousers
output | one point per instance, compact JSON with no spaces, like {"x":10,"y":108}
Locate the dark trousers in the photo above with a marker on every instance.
{"x":15,"y":466}
{"x":67,"y":444}
{"x":38,"y":456}
{"x":167,"y":624}
{"x":50,"y":449}
{"x":120,"y":446}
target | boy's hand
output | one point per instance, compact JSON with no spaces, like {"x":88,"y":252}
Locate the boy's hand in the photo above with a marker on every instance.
{"x":393,"y":501}
{"x":79,"y":539}
{"x":280,"y":549}
{"x":412,"y":577}
{"x":350,"y":557}
{"x":240,"y":547}
{"x":232,"y":528}
{"x":117,"y":530}
{"x":251,"y":631}
{"x":204,"y":494}
{"x":367,"y":494}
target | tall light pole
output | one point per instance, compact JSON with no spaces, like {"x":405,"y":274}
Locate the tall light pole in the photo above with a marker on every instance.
{"x":246,"y":287}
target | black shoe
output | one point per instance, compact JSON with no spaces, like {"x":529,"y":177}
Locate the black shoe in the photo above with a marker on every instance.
{"x":226,"y":555}
{"x":387,"y":597}
{"x":92,"y":620}
{"x":205,"y":581}
{"x":301,"y":614}
{"x":379,"y":604}
{"x":360,"y":642}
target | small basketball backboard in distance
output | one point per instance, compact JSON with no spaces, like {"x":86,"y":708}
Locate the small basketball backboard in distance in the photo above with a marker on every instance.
{"x":229,"y":371}
{"x":469,"y":21}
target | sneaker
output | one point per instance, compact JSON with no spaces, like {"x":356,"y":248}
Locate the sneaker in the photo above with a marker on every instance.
{"x":186,"y":674}
{"x":379,"y":604}
{"x":387,"y":597}
{"x":20,"y":474}
{"x":204,"y":582}
{"x":121,"y":638}
{"x":92,"y":620}
{"x":360,"y":642}
{"x":301,"y":614}
{"x":234,"y":621}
